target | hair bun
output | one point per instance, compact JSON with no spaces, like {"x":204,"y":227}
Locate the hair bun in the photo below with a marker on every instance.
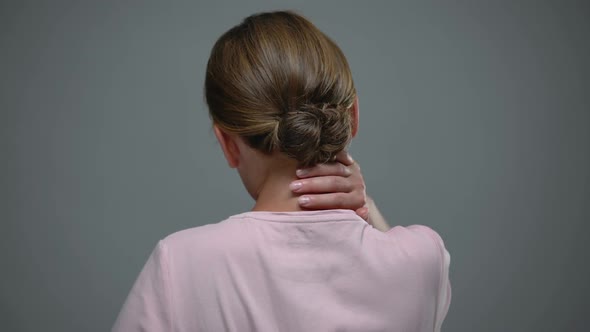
{"x":314,"y":133}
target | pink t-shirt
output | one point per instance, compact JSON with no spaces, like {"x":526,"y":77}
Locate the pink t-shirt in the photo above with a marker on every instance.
{"x":292,"y":271}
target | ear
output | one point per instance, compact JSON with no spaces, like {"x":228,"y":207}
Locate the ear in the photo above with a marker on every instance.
{"x":228,"y":145}
{"x":355,"y":116}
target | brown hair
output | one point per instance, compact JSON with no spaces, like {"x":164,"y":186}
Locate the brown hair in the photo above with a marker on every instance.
{"x":280,"y":83}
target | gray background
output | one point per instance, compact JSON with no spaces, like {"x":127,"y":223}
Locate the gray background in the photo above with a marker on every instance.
{"x":475,"y":120}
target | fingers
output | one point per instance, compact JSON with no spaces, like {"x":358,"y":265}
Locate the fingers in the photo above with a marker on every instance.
{"x":333,"y":169}
{"x":331,"y":201}
{"x":336,"y":185}
{"x":322,"y":184}
{"x":364,"y":213}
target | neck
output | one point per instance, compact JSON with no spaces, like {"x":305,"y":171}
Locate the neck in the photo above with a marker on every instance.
{"x":274,"y":193}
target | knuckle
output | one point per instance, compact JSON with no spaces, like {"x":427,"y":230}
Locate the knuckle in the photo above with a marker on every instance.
{"x":333,"y":168}
{"x":362,"y":199}
{"x":345,"y":185}
{"x":313,"y":171}
{"x":340,"y":200}
{"x":332,"y":182}
{"x":363,"y":185}
{"x":323,"y":169}
{"x":348,"y":187}
{"x":360,"y":186}
{"x":343,"y":170}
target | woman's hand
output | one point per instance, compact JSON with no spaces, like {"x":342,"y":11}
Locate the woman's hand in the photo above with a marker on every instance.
{"x":337,"y":185}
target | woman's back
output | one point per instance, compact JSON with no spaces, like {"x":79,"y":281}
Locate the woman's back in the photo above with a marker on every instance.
{"x":281,"y":97}
{"x":292,"y":271}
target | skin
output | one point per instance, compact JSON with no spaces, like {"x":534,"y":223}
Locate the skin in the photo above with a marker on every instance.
{"x":276,"y":184}
{"x":338,"y":185}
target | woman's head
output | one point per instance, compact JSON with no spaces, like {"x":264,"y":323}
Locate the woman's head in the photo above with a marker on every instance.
{"x":282,"y":86}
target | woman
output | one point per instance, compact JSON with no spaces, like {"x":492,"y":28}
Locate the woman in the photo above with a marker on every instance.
{"x":281,"y":97}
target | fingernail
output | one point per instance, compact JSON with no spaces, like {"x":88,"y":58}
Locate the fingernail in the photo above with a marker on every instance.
{"x":303,"y":200}
{"x":302,"y":172}
{"x":294,"y":186}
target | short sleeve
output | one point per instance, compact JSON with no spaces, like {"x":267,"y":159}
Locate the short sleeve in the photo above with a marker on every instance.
{"x":444,"y":290}
{"x":148,"y":305}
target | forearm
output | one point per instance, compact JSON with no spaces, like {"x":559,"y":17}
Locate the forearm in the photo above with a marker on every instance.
{"x":375,"y":217}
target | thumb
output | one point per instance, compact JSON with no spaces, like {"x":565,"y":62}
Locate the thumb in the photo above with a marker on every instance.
{"x":364,"y":213}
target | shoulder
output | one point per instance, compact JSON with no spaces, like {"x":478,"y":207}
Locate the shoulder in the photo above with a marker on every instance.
{"x":437,"y":265}
{"x":428,"y":234}
{"x":208,"y":242}
{"x":417,"y":235}
{"x":423,"y":244}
